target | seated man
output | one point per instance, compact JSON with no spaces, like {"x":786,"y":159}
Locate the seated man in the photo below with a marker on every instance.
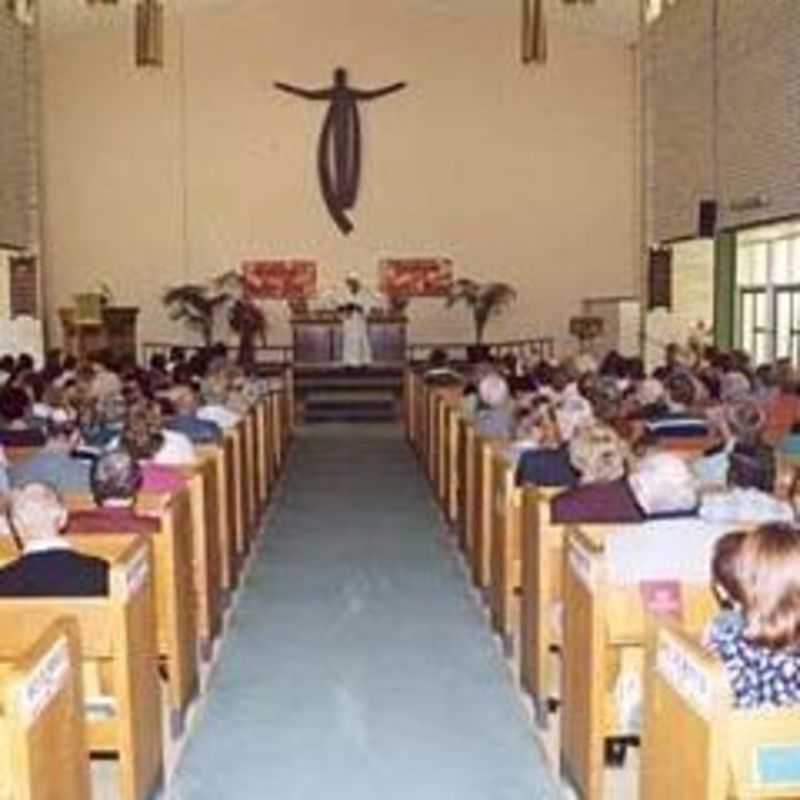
{"x":54,"y":464}
{"x":48,"y":566}
{"x":680,"y":420}
{"x":115,"y":481}
{"x":186,"y":421}
{"x":661,"y":486}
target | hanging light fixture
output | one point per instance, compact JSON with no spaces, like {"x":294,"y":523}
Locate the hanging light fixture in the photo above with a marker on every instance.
{"x":534,"y":32}
{"x":149,"y":33}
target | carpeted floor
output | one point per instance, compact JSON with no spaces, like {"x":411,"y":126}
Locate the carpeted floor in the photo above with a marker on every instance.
{"x":358,"y":665}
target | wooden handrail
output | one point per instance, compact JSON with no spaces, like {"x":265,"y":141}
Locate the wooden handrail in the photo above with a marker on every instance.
{"x":541,"y":346}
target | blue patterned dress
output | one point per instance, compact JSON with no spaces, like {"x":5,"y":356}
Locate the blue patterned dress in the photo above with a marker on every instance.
{"x":758,"y":675}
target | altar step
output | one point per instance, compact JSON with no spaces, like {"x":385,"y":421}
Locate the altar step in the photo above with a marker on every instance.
{"x":331,"y":393}
{"x":364,"y":405}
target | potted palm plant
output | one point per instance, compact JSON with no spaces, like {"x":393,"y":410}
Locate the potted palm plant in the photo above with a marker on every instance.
{"x":485,"y":301}
{"x":245,"y":317}
{"x":196,"y":305}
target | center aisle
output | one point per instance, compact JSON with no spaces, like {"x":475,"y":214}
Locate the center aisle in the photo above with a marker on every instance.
{"x":357,"y":665}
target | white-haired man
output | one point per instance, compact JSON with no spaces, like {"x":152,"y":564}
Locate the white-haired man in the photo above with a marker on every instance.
{"x":48,"y":566}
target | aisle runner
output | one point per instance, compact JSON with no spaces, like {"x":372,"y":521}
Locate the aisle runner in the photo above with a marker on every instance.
{"x":358,"y":666}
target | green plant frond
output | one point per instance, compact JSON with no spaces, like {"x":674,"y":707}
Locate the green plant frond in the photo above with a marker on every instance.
{"x":463,"y":290}
{"x":496,"y":297}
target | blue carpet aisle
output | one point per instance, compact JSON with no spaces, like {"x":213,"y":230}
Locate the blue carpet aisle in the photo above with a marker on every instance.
{"x":357,"y":665}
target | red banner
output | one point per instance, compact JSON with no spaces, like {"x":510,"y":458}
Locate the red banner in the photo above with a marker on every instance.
{"x":280,"y":279}
{"x":416,"y":277}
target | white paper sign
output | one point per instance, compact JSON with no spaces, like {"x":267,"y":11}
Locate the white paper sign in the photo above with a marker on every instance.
{"x":45,"y":682}
{"x":683,"y":672}
{"x":583,"y":565}
{"x":136,"y":572}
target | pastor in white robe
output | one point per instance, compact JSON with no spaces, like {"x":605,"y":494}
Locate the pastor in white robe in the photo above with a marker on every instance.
{"x":356,"y":349}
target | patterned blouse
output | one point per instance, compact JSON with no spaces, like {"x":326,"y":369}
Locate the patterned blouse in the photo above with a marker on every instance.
{"x":758,"y":675}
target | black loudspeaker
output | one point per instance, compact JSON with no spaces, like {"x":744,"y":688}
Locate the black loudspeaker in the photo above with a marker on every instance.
{"x":707,"y":219}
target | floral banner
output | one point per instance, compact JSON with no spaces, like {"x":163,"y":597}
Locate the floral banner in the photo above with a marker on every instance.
{"x":416,"y":277}
{"x":280,"y":279}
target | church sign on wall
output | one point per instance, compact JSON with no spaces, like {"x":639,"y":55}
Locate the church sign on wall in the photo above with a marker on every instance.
{"x":280,"y":279}
{"x":416,"y":277}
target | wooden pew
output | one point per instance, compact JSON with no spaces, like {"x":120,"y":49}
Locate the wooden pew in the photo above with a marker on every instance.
{"x":278,"y":435}
{"x":466,"y":485}
{"x":454,"y":464}
{"x":42,"y":714}
{"x":207,"y":547}
{"x":236,"y":497}
{"x":541,"y":553}
{"x":176,"y":601}
{"x":695,"y":744}
{"x":265,"y":455}
{"x":505,"y":548}
{"x":220,"y":457}
{"x":604,"y":634}
{"x":119,"y":653}
{"x":249,"y":471}
{"x":483,"y":497}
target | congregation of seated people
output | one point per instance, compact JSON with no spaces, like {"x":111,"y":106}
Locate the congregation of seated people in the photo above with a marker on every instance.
{"x":105,"y":432}
{"x":707,"y":438}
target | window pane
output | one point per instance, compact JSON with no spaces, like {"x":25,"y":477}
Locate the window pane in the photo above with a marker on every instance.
{"x":752,"y":266}
{"x":783,"y":324}
{"x":781,"y":268}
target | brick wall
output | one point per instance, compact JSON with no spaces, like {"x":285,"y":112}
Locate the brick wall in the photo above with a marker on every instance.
{"x":723,"y":89}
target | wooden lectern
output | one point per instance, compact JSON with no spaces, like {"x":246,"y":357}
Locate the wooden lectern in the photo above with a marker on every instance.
{"x":89,"y":329}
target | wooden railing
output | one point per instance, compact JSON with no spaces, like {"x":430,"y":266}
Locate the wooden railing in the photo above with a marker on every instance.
{"x":282,"y":355}
{"x":269,"y":356}
{"x":522,"y":349}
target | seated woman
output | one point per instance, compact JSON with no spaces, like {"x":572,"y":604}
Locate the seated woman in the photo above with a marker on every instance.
{"x":16,"y":428}
{"x":494,"y":417}
{"x":756,"y":577}
{"x":115,"y":483}
{"x":144,"y":440}
{"x":542,"y":457}
{"x":660,"y":486}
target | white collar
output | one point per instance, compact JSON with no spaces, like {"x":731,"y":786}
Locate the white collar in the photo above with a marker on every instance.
{"x":46,"y":545}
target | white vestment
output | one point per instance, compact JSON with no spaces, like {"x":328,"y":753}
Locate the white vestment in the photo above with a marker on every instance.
{"x":356,"y":349}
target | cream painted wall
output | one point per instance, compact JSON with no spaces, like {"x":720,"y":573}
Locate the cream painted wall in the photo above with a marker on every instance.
{"x":156,"y":176}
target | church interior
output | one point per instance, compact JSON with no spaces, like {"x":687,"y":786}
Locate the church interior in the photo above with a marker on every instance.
{"x":399,"y":399}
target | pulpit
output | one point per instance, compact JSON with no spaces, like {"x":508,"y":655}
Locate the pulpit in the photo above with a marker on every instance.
{"x":88,"y":331}
{"x":317,"y":338}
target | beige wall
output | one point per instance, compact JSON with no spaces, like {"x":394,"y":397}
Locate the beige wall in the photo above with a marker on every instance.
{"x":523,"y":175}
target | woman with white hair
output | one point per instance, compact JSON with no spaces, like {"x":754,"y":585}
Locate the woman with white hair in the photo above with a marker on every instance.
{"x":495,"y":416}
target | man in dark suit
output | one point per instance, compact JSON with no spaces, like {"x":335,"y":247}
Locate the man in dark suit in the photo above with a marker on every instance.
{"x":48,"y":566}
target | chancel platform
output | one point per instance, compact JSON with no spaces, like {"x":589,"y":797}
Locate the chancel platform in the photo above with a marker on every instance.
{"x":317,"y":338}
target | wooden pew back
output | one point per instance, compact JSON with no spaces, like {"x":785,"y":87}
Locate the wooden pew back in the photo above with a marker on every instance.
{"x":42,"y":715}
{"x":695,"y":744}
{"x":117,"y":632}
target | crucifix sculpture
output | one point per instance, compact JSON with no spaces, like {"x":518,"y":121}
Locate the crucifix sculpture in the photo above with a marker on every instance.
{"x":339,"y":148}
